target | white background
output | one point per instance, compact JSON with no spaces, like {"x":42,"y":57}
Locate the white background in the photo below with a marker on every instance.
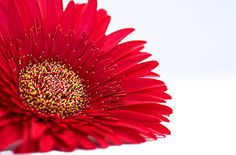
{"x":195,"y":44}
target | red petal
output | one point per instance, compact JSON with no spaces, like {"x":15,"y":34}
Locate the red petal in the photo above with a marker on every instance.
{"x":131,"y":61}
{"x":59,"y":8}
{"x":84,"y":142}
{"x":141,"y":98}
{"x":161,"y":129}
{"x":87,"y":19}
{"x":16,"y":23}
{"x":153,"y":95}
{"x":66,"y":140}
{"x":107,"y":133}
{"x":37,"y":129}
{"x":26,"y":146}
{"x":128,"y":135}
{"x":133,"y":85}
{"x":9,"y":135}
{"x":158,"y":92}
{"x":151,"y":109}
{"x":126,"y":48}
{"x":3,"y":113}
{"x":114,"y":38}
{"x":41,"y":4}
{"x":68,"y":17}
{"x":53,"y":14}
{"x":141,"y":69}
{"x":129,"y":124}
{"x":4,"y":31}
{"x":24,"y":11}
{"x":101,"y":14}
{"x":34,"y":11}
{"x":100,"y":26}
{"x":46,"y":143}
{"x":3,"y":66}
{"x":99,"y":139}
{"x":133,"y":116}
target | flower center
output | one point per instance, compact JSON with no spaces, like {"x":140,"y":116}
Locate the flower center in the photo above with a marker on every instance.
{"x":52,"y":88}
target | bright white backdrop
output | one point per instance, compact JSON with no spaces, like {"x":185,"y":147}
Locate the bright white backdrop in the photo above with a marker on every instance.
{"x":195,"y":43}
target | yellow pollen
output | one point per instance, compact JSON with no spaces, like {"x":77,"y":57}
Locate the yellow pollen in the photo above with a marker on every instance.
{"x":52,"y":88}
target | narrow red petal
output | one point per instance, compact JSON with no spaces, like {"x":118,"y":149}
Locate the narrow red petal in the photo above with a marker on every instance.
{"x":4,"y":31}
{"x":100,"y":26}
{"x":128,"y":135}
{"x":24,"y":11}
{"x":131,"y":61}
{"x":141,"y":69}
{"x":66,"y":139}
{"x":132,"y":115}
{"x":34,"y":11}
{"x":140,"y":98}
{"x":87,"y":18}
{"x":67,"y":20}
{"x":132,"y":85}
{"x":16,"y":23}
{"x":150,"y":108}
{"x":83,"y":141}
{"x":126,"y":48}
{"x":53,"y":14}
{"x":114,"y":38}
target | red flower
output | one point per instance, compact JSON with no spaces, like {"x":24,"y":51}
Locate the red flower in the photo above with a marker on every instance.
{"x":65,"y":84}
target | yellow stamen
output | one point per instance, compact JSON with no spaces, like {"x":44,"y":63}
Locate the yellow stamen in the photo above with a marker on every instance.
{"x":52,"y":88}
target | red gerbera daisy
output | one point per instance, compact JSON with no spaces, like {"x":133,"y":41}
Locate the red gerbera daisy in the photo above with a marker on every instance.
{"x":65,"y":84}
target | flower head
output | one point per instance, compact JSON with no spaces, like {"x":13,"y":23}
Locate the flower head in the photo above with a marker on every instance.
{"x":66,"y":84}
